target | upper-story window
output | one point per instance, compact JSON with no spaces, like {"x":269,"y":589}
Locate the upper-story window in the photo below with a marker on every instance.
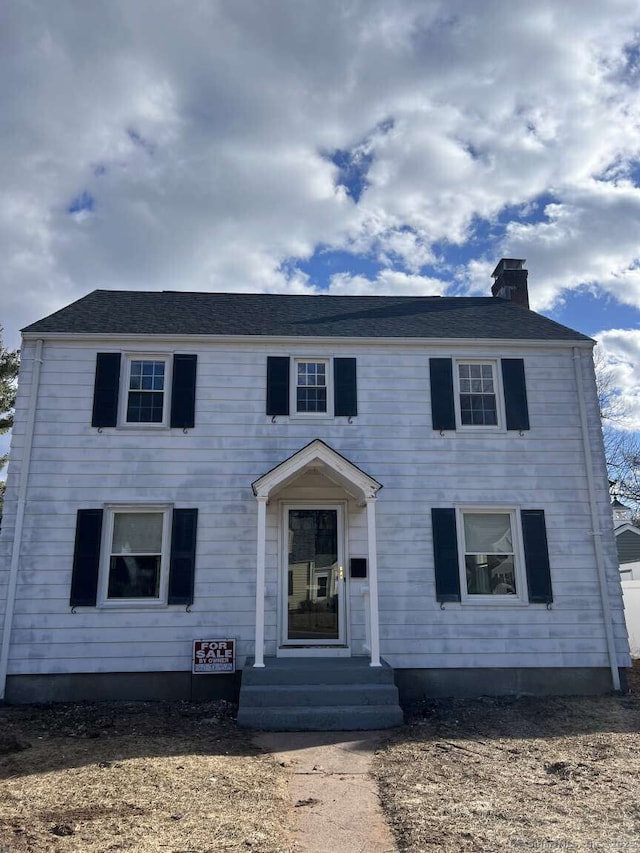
{"x":144,"y":389}
{"x":146,"y":385}
{"x":311,"y":387}
{"x":477,"y":390}
{"x":312,"y":381}
{"x":474,"y":394}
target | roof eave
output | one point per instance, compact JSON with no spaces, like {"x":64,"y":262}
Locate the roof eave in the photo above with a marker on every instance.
{"x":306,"y":339}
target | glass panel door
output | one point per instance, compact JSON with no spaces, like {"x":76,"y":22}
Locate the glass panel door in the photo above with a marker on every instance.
{"x":314,"y":577}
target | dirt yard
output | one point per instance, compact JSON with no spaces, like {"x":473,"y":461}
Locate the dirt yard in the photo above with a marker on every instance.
{"x":485,"y":776}
{"x":516,"y":774}
{"x":170,"y":777}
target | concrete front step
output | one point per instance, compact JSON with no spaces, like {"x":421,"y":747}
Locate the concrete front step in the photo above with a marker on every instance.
{"x":317,"y":671}
{"x":318,"y":694}
{"x":340,"y":718}
{"x":315,"y":695}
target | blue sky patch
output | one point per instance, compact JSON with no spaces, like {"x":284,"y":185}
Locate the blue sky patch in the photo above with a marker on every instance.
{"x":633,"y":171}
{"x":84,"y":202}
{"x":630,"y":72}
{"x":353,"y":168}
{"x":139,"y":140}
{"x":354,"y":164}
{"x":589,"y":313}
{"x":485,"y":239}
{"x":325,"y":263}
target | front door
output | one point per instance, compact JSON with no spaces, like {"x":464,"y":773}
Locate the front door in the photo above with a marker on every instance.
{"x":314,"y":582}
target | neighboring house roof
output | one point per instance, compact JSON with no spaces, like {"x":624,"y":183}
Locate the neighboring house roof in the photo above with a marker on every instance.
{"x":183,"y":313}
{"x":616,"y":504}
{"x":627,"y":543}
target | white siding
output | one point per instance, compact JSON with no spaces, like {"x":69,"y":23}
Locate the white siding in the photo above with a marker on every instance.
{"x":212,"y":466}
{"x":631,"y":592}
{"x":13,"y":472}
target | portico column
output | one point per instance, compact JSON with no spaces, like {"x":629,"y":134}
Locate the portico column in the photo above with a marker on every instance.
{"x":260,"y":580}
{"x":373,"y":582}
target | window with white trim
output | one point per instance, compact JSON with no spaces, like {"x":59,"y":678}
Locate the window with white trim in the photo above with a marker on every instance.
{"x":146,"y":386}
{"x":312,"y":386}
{"x":490,"y":562}
{"x":135,"y":560}
{"x":477,"y":397}
{"x":322,"y":585}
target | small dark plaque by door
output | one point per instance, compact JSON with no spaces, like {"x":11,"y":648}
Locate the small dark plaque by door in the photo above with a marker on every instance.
{"x":358,"y":567}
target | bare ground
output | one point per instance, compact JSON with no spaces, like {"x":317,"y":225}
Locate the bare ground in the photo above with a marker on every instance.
{"x":480,"y":775}
{"x":516,"y":774}
{"x":171,"y":777}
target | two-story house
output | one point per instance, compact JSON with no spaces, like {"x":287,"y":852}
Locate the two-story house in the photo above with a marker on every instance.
{"x":412,"y":486}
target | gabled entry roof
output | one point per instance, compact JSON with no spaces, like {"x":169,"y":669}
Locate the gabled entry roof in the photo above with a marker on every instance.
{"x":331,"y":464}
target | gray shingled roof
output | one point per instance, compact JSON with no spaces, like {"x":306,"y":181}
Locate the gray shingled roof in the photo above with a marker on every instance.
{"x":182,"y":313}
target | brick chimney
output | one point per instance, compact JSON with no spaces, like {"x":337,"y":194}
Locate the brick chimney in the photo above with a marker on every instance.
{"x":510,"y":281}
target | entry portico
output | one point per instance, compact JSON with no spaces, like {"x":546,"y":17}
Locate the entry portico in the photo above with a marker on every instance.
{"x":358,"y":487}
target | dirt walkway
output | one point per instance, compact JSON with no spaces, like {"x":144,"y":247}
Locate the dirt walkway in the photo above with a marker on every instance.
{"x":334,"y":796}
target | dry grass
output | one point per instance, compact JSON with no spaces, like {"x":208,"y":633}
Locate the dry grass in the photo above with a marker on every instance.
{"x":171,"y":777}
{"x":483,"y":775}
{"x":516,"y":774}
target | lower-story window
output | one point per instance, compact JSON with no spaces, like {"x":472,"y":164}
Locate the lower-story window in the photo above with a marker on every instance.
{"x":136,"y":563}
{"x":132,"y":555}
{"x":490,"y":562}
{"x":491,"y":555}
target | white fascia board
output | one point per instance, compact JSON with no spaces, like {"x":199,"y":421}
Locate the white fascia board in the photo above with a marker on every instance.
{"x":626,"y":527}
{"x":316,"y":451}
{"x":288,"y":341}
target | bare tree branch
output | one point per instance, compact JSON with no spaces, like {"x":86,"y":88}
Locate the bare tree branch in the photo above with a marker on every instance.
{"x":9,"y":364}
{"x":621,"y":446}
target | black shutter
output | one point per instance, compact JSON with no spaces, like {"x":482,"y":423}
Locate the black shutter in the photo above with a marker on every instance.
{"x":105,"y":391}
{"x":183,"y":556}
{"x":515,"y":394}
{"x":86,"y":558}
{"x":183,"y":391}
{"x":536,"y":555}
{"x":443,"y":413}
{"x":345,"y":390}
{"x":445,"y":554}
{"x":277,"y":385}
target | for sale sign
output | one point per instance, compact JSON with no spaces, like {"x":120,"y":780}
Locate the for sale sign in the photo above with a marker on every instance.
{"x":214,"y":656}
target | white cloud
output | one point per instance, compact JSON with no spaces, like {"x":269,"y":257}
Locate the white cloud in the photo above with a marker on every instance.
{"x":201,"y":131}
{"x":407,"y":246}
{"x":591,"y":238}
{"x":387,"y":282}
{"x":620,"y":349}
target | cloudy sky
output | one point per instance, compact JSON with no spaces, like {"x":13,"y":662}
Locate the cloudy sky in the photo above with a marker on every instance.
{"x":354,"y":146}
